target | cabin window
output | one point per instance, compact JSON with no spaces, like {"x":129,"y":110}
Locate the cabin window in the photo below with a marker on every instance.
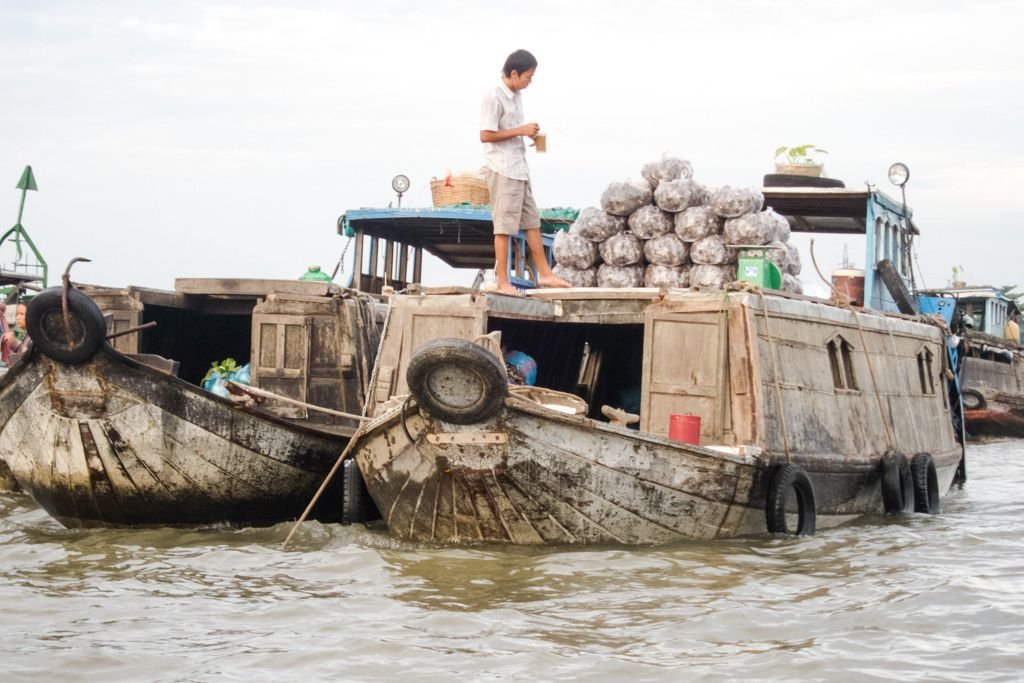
{"x":840,"y":357}
{"x":924,"y":371}
{"x":998,"y":315}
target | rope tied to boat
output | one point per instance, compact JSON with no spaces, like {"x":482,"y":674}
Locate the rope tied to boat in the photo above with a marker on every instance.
{"x":772,"y":351}
{"x":889,"y":440}
{"x":905,"y":381}
{"x":750,"y":288}
{"x":65,"y":285}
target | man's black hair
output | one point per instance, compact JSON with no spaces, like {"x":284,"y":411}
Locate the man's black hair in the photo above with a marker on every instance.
{"x":519,"y":61}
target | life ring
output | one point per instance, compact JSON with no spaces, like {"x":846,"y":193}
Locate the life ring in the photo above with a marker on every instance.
{"x":926,"y":484}
{"x":784,"y":478}
{"x":972,"y":399}
{"x":457,"y":381}
{"x":44,"y":319}
{"x":897,"y":484}
{"x":356,"y":504}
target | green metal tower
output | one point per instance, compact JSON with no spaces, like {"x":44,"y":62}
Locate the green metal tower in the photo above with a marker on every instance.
{"x":29,"y":262}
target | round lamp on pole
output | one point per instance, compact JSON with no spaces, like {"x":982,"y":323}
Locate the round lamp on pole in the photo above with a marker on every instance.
{"x":899,"y":174}
{"x":400,"y":184}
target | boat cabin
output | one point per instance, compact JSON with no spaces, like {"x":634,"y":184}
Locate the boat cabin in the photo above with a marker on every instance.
{"x":764,"y":371}
{"x":309,"y":341}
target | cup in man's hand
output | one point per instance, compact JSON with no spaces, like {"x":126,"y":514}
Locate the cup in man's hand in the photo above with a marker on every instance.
{"x":540,"y":141}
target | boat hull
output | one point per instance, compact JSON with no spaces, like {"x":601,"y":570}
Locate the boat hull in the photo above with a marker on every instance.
{"x":1001,"y":415}
{"x":533,"y":476}
{"x":111,"y":442}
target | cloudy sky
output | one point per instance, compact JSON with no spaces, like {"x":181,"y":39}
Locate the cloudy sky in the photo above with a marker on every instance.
{"x":206,"y":139}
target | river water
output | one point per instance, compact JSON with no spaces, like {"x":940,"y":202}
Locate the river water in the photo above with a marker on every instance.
{"x":922,"y":598}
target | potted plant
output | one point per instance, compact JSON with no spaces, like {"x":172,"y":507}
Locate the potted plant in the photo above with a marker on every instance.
{"x":799,"y":160}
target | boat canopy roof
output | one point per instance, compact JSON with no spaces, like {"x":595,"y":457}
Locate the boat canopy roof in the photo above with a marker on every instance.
{"x":8,"y":277}
{"x":830,"y":210}
{"x":973,"y":292}
{"x":461,"y":236}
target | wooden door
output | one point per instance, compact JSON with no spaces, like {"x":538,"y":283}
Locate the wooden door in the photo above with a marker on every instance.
{"x":280,"y":359}
{"x":685,"y":370}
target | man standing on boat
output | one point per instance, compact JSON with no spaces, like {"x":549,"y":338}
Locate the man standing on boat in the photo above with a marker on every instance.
{"x":502,"y":129}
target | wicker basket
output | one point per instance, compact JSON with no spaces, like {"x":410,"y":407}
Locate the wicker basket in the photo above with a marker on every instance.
{"x":464,"y":188}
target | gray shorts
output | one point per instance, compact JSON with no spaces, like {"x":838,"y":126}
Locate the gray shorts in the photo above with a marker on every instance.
{"x":512,"y":205}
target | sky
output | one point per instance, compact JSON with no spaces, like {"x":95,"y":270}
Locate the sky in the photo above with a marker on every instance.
{"x":224,"y":139}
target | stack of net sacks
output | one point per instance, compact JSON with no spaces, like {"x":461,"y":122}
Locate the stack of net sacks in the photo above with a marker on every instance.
{"x":668,"y":230}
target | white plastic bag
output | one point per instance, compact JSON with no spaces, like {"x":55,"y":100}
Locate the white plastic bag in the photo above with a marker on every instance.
{"x":597,"y":225}
{"x":666,"y":250}
{"x":697,"y":222}
{"x":620,"y":276}
{"x":574,"y":250}
{"x":649,"y":221}
{"x":623,"y":198}
{"x":623,"y":249}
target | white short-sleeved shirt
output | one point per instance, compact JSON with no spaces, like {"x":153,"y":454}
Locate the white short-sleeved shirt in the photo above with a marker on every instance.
{"x":502,"y":109}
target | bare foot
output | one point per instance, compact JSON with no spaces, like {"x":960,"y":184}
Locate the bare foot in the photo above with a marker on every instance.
{"x":507,"y":289}
{"x":552,"y":280}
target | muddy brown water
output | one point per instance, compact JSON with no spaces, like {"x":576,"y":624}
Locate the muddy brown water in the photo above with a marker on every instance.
{"x":921,"y":598}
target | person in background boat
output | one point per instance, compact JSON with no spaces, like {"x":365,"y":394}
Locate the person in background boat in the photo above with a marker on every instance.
{"x":1012,"y":330}
{"x":502,"y":129}
{"x":15,"y":341}
{"x":966,"y":319}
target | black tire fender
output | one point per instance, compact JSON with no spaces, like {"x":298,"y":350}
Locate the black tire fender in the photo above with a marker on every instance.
{"x":972,"y":399}
{"x":457,"y":381}
{"x":44,"y":319}
{"x":926,"y":484}
{"x":356,"y":504}
{"x":784,"y":478}
{"x":897,"y":483}
{"x":788,"y":180}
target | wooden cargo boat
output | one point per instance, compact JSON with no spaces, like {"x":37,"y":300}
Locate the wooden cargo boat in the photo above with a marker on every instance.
{"x":992,"y":375}
{"x":810,"y":412}
{"x":106,"y":437}
{"x":791,"y":394}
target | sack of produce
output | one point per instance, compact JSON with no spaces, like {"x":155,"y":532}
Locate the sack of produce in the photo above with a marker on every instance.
{"x":677,"y":195}
{"x":649,"y":221}
{"x":623,"y":249}
{"x":790,"y":283}
{"x":658,"y":275}
{"x":576,"y":277}
{"x":733,"y":202}
{"x":697,"y":222}
{"x":620,"y":276}
{"x":666,"y":250}
{"x":793,"y":267}
{"x":750,"y":228}
{"x":597,"y":225}
{"x":667,"y":168}
{"x":574,"y":250}
{"x":711,"y":277}
{"x":622,"y":199}
{"x":711,"y":250}
{"x":778,"y":253}
{"x":779,"y":223}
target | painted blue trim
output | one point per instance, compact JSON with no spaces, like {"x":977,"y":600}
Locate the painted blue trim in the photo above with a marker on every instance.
{"x":449,"y":213}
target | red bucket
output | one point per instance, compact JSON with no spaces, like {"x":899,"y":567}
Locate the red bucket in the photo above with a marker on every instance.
{"x":685,"y":428}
